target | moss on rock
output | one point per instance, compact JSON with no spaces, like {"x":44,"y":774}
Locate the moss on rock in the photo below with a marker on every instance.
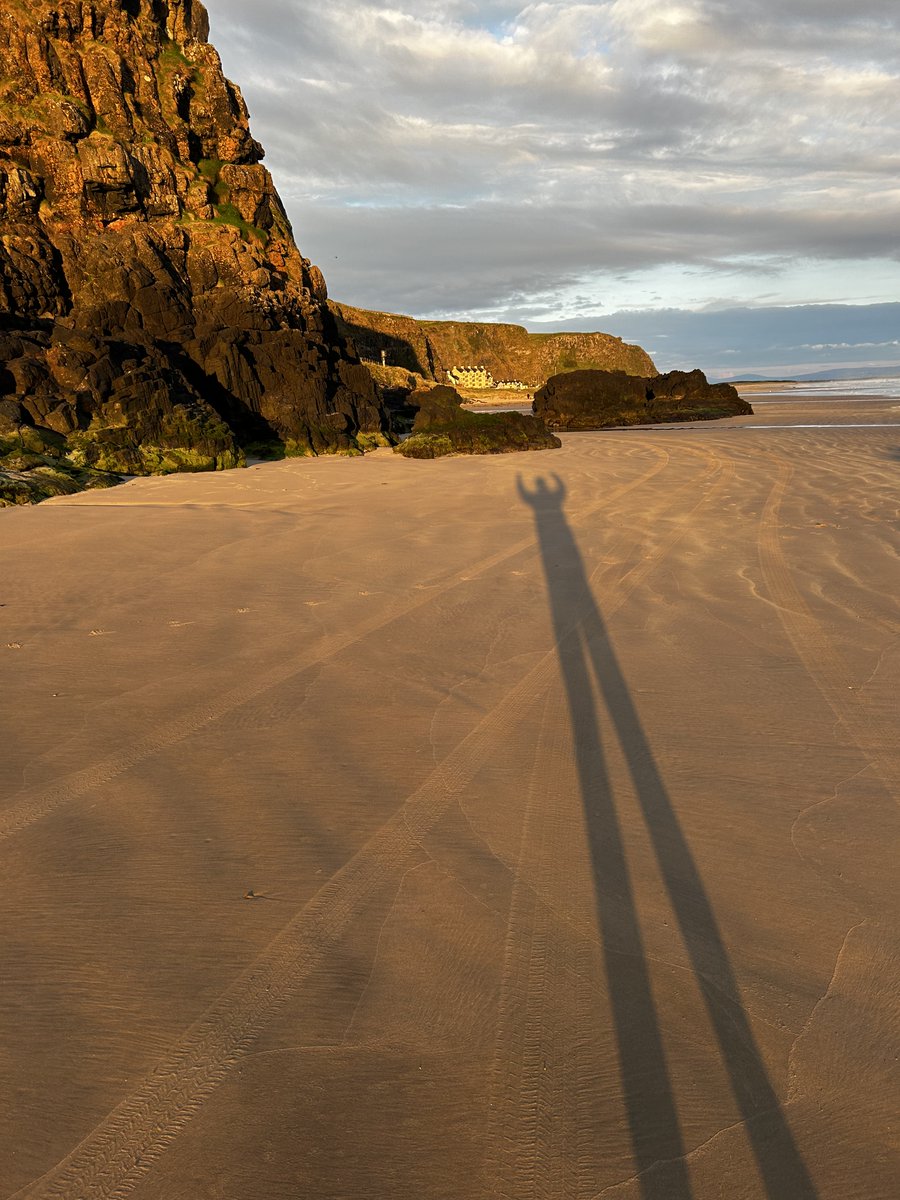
{"x":180,"y":437}
{"x":33,"y":467}
{"x":443,"y":427}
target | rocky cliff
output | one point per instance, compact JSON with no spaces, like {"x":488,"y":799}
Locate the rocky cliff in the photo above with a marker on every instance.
{"x":508,"y":352}
{"x":155,"y":312}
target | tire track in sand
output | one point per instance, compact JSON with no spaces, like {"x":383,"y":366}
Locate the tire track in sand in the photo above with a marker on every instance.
{"x":532,"y":1151}
{"x":109,"y":1162}
{"x":114,"y":1156}
{"x":34,"y":804}
{"x":816,"y":651}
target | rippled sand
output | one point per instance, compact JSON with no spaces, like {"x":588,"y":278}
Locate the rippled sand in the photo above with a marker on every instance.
{"x":501,"y":827}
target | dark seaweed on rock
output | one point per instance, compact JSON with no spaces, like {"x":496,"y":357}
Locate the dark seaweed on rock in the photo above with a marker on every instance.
{"x":611,"y":399}
{"x":443,"y":427}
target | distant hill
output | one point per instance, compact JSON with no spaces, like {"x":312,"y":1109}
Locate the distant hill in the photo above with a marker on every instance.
{"x":738,"y":379}
{"x":846,"y":373}
{"x":851,"y":373}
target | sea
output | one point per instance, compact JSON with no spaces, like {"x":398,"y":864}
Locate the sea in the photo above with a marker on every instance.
{"x":863,"y":389}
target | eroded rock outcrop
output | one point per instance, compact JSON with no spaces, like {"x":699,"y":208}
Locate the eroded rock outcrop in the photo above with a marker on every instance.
{"x":154,"y":309}
{"x":441,"y":427}
{"x":610,"y":399}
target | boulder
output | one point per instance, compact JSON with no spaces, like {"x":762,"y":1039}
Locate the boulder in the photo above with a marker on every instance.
{"x":611,"y":399}
{"x":443,"y":427}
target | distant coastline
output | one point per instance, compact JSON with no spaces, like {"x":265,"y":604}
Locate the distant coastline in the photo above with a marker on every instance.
{"x":886,"y":388}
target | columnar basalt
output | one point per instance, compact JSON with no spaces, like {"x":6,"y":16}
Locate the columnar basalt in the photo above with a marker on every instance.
{"x":154,"y":309}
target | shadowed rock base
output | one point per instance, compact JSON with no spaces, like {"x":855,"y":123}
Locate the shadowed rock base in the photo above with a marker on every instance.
{"x":443,"y":427}
{"x":33,"y":467}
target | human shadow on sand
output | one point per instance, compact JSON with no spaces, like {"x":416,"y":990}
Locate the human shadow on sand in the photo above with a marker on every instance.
{"x":592,"y":675}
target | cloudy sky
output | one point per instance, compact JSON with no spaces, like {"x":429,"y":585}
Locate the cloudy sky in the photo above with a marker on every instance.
{"x":693,"y":175}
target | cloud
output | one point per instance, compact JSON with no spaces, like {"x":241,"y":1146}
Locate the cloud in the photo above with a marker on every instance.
{"x":591,"y":248}
{"x":495,"y":157}
{"x":583,"y":90}
{"x":774,"y":341}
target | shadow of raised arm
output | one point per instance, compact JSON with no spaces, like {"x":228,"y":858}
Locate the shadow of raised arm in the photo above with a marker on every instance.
{"x":543,"y":496}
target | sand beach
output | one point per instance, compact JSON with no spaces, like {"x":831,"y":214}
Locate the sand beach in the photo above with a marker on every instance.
{"x":516,"y":826}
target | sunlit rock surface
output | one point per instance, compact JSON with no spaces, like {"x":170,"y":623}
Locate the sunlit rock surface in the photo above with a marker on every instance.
{"x":155,"y":311}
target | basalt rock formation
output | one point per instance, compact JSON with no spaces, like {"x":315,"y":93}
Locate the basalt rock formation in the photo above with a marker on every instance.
{"x":507,"y":352}
{"x":610,"y":399}
{"x":442,"y":427}
{"x":155,"y":312}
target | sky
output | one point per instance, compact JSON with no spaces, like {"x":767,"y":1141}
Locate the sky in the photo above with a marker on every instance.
{"x":718,"y":181}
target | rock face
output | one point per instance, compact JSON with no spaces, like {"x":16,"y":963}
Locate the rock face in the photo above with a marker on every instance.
{"x":154,"y":309}
{"x":442,"y":427}
{"x":34,"y":466}
{"x":607,"y":399}
{"x":507,"y":352}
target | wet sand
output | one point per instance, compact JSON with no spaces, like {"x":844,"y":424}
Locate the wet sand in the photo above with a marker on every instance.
{"x":505,"y":827}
